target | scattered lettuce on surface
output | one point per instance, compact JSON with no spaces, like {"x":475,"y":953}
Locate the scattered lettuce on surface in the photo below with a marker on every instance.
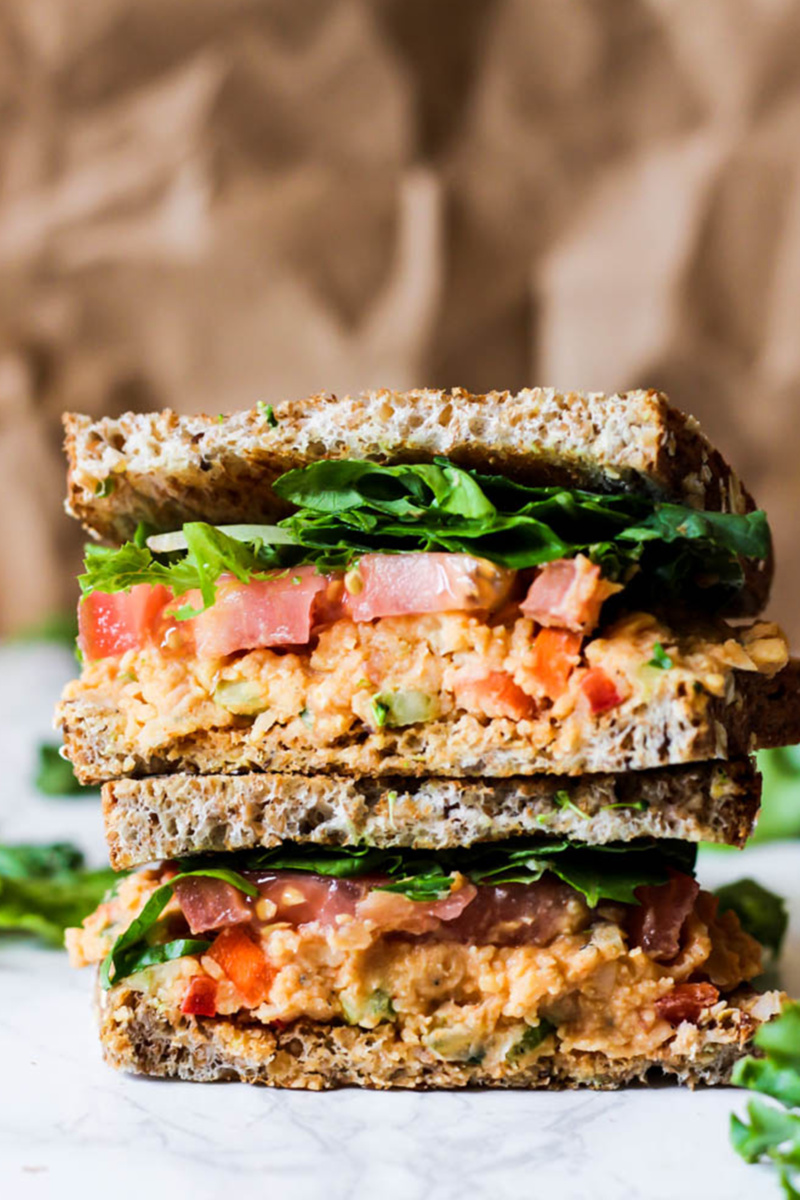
{"x":45,"y":888}
{"x":54,"y":774}
{"x":761,"y":913}
{"x":771,"y":1132}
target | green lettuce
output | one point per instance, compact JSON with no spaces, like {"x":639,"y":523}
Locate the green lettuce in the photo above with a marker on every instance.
{"x":44,"y":889}
{"x":611,"y":872}
{"x":761,"y":913}
{"x":772,"y":1133}
{"x":348,"y":508}
{"x":55,"y":775}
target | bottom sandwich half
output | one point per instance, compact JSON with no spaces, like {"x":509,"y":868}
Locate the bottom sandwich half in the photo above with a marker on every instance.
{"x":531,"y":963}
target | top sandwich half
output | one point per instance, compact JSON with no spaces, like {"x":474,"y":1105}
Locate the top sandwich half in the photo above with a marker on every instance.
{"x":419,"y":583}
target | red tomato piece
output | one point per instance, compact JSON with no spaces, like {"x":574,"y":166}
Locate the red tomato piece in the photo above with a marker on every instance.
{"x":209,"y":903}
{"x":201,"y":997}
{"x":686,"y":1002}
{"x":555,"y":653}
{"x":262,"y":613}
{"x":394,"y":585}
{"x":600,"y":690}
{"x":112,"y":623}
{"x":245,"y":964}
{"x":568,"y":593}
{"x":495,"y":695}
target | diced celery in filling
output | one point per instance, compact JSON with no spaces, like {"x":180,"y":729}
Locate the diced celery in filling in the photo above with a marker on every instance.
{"x":378,"y":1007}
{"x":403,"y":708}
{"x":531,"y":1039}
{"x":455,"y":1045}
{"x":243,"y":698}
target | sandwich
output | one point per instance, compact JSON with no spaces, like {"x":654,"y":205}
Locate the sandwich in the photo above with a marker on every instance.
{"x":409,"y":712}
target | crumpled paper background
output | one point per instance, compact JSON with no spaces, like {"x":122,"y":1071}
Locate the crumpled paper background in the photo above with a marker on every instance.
{"x":208,"y":202}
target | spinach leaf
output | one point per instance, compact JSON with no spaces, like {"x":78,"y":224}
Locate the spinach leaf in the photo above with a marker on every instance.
{"x":209,"y":554}
{"x":772,"y":1133}
{"x":44,"y":889}
{"x":610,"y":872}
{"x":55,"y":775}
{"x":132,"y":950}
{"x":761,"y":913}
{"x":35,"y":860}
{"x":346,"y":508}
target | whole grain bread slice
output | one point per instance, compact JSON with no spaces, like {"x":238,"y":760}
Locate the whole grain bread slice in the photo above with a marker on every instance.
{"x":173,"y":816}
{"x":165,"y":469}
{"x":682,"y":726}
{"x":138,"y":1035}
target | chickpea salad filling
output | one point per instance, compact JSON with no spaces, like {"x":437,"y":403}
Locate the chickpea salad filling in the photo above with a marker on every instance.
{"x":484,"y":952}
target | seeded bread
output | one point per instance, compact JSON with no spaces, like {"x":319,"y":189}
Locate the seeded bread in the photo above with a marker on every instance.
{"x":165,"y":469}
{"x":140,"y":1037}
{"x":682,"y":726}
{"x":175,"y":815}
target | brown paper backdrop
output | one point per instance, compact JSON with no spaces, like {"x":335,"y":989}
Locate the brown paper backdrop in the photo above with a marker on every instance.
{"x":204,"y":203}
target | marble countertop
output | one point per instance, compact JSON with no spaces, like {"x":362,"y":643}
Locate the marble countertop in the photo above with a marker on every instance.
{"x":70,"y":1127}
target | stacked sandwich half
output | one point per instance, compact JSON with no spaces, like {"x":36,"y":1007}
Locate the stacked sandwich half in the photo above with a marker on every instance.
{"x":420,"y":704}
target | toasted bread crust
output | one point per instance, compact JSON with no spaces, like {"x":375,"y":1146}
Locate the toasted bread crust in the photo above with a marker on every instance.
{"x":139,"y":1037}
{"x":758,"y":712}
{"x":176,"y":815}
{"x":165,"y":469}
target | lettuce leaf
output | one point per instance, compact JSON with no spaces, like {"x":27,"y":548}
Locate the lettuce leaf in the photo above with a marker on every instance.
{"x":55,"y":775}
{"x":611,"y":872}
{"x":44,"y":889}
{"x":772,"y":1133}
{"x":761,"y":913}
{"x":347,"y":508}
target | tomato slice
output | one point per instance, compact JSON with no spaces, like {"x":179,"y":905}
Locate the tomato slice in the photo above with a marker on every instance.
{"x":264,"y":612}
{"x":112,"y":623}
{"x":395,"y":585}
{"x":568,"y":593}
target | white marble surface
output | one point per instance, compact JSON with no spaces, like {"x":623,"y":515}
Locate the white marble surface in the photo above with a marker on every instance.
{"x":69,"y":1127}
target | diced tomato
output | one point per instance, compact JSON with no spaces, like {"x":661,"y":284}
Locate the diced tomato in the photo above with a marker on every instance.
{"x":285,"y":609}
{"x":390,"y":911}
{"x":112,"y":623}
{"x":209,"y":903}
{"x":509,"y":914}
{"x":554,"y":654}
{"x":244,"y":962}
{"x":686,"y":1002}
{"x":568,"y":593}
{"x":495,"y":695}
{"x":201,"y":997}
{"x":600,"y":690}
{"x":300,"y":897}
{"x":262,"y":613}
{"x":393,"y":585}
{"x":657,"y":921}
